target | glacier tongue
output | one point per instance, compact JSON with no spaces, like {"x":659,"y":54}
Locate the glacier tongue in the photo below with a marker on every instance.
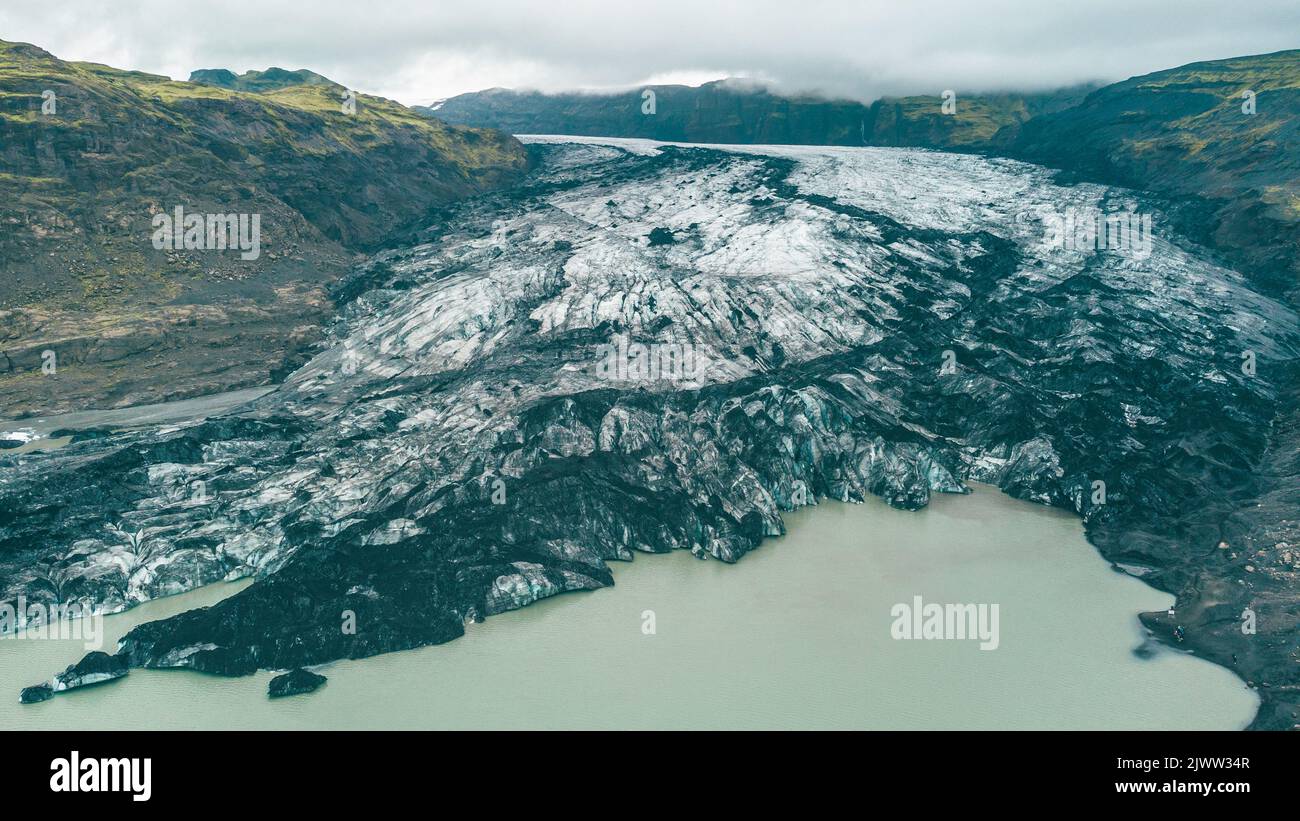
{"x":859,"y":321}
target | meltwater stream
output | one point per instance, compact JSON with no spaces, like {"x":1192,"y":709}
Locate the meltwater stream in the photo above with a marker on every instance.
{"x":796,"y":635}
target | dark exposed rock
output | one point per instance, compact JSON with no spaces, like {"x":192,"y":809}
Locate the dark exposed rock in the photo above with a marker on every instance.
{"x":95,"y":668}
{"x":294,"y":682}
{"x":35,"y":694}
{"x":661,"y":236}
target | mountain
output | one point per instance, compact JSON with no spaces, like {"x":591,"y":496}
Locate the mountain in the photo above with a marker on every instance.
{"x":1186,"y":133}
{"x":89,"y":155}
{"x":737,"y":111}
{"x":477,"y":433}
{"x":259,"y":81}
{"x":718,"y":112}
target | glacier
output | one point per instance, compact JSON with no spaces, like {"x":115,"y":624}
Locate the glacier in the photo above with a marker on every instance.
{"x":874,"y":321}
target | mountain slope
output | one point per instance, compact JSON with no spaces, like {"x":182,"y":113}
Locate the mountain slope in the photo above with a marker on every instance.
{"x":81,"y":181}
{"x":1183,"y":133}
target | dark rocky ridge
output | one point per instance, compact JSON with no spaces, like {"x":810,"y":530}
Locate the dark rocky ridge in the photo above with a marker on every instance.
{"x":366,"y":482}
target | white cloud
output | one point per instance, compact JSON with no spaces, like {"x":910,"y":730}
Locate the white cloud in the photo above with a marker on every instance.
{"x":419,"y":51}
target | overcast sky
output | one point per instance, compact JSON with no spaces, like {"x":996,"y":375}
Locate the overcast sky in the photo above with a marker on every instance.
{"x":417,"y":52}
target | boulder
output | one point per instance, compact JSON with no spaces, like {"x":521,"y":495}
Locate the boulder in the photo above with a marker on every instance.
{"x":294,"y":683}
{"x":95,"y":668}
{"x":36,"y":693}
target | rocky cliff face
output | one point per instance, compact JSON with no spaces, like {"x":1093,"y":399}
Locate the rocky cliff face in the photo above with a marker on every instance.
{"x":90,"y":155}
{"x":858,"y":321}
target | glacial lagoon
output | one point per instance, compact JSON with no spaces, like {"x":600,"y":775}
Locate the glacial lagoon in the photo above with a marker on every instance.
{"x":795,"y":636}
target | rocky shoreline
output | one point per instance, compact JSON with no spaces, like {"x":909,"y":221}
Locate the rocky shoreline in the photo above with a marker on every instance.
{"x":451,"y":452}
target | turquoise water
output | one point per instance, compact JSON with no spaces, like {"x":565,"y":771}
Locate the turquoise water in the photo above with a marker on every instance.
{"x":797,"y":635}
